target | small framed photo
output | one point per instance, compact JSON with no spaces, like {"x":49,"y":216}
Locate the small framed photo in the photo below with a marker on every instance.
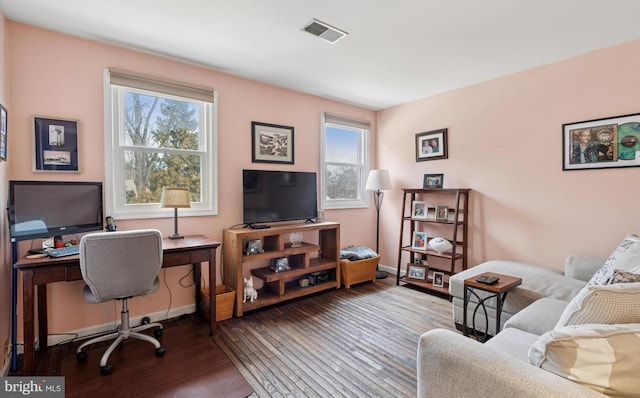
{"x":419,"y":210}
{"x":3,"y":132}
{"x":431,"y":145}
{"x":419,"y":240}
{"x":442,"y":213}
{"x":271,"y":143}
{"x":438,"y":279}
{"x":433,"y":181}
{"x":55,"y":145}
{"x":417,"y":272}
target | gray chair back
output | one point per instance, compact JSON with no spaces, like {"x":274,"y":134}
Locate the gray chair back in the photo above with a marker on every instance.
{"x":121,"y":264}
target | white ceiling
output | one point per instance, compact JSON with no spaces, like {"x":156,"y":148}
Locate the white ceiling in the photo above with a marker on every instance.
{"x":396,"y":51}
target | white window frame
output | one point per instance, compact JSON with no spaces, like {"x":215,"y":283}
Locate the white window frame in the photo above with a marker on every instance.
{"x":114,"y":127}
{"x":364,"y":130}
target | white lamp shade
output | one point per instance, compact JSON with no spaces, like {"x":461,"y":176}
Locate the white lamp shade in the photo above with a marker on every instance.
{"x":175,"y":197}
{"x":378,"y":181}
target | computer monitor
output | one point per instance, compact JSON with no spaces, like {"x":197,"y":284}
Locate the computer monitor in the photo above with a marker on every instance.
{"x":41,"y":209}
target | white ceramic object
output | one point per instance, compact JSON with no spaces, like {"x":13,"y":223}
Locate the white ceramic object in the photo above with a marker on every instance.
{"x":440,"y":245}
{"x":296,"y":239}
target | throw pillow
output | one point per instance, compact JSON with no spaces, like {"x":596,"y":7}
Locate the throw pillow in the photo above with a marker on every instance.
{"x":609,"y":304}
{"x":623,"y":277}
{"x":626,"y":257}
{"x":605,"y":358}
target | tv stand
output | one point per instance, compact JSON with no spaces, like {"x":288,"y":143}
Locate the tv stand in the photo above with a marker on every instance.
{"x":258,"y":226}
{"x":317,"y":258}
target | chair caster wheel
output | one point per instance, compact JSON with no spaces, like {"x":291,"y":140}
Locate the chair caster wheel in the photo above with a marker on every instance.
{"x":145,"y":321}
{"x":158,"y":332}
{"x":81,"y":356}
{"x":159,"y":352}
{"x":106,"y":369}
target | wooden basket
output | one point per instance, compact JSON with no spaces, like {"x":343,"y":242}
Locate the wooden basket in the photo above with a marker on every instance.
{"x":225,"y":298}
{"x":352,"y":272}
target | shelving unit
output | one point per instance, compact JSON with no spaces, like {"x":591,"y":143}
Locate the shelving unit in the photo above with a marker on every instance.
{"x":318,"y":252}
{"x":454,"y":229}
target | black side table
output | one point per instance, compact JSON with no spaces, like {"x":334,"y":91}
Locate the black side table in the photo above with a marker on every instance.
{"x":499,"y":291}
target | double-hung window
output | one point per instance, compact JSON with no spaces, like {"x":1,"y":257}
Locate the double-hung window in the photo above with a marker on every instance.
{"x":158,"y":133}
{"x":345,"y":162}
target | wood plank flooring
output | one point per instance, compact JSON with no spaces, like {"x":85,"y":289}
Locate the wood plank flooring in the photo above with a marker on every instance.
{"x":358,"y":342}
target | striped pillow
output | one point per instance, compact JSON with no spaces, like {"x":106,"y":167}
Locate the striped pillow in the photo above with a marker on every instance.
{"x":609,"y":304}
{"x":605,"y":358}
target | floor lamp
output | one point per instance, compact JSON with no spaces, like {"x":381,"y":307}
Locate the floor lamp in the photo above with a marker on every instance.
{"x":378,"y":181}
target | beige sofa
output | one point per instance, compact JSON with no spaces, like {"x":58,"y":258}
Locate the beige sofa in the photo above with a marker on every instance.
{"x":536,"y":316}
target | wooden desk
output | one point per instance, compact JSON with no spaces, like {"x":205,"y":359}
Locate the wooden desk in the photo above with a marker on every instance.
{"x":36,"y":273}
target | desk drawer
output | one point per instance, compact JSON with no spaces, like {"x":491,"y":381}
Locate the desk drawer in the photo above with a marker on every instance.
{"x":171,"y":260}
{"x":72,"y":274}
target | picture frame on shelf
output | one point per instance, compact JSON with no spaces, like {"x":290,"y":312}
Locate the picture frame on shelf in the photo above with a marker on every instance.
{"x":419,"y":210}
{"x":601,"y":143}
{"x":433,"y":181}
{"x":4,"y":122}
{"x":431,"y":145}
{"x":272,"y":143}
{"x":417,"y":272}
{"x":419,"y":240}
{"x":438,"y":279}
{"x":55,"y":145}
{"x":442,"y":213}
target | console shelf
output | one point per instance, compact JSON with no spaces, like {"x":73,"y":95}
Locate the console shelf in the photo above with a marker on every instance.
{"x":319,"y":252}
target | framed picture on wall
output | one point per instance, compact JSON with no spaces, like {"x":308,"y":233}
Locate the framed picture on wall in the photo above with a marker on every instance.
{"x":271,"y":143}
{"x":55,"y":145}
{"x":4,"y":122}
{"x":601,"y":143}
{"x":431,"y":145}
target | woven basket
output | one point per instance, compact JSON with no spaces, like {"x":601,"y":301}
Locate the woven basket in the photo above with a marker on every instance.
{"x":352,"y":272}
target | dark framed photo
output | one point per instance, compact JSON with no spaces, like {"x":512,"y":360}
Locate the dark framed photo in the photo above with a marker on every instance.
{"x":4,"y":122}
{"x":601,"y":143}
{"x":55,"y":145}
{"x":433,"y":181}
{"x":438,"y":279}
{"x":271,"y":143}
{"x":419,"y":209}
{"x":442,"y":213}
{"x":431,"y":145}
{"x":417,"y":272}
{"x":419,"y":240}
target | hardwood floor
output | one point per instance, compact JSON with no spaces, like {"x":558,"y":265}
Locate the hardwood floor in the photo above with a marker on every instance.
{"x":358,"y":342}
{"x":193,"y":366}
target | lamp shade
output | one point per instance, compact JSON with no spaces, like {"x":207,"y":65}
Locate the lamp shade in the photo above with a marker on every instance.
{"x":175,"y":197}
{"x":378,"y":181}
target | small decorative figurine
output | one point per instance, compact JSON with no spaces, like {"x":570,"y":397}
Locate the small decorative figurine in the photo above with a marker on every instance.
{"x":249,"y":292}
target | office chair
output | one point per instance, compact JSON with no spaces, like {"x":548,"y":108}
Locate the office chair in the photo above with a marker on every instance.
{"x":119,"y":266}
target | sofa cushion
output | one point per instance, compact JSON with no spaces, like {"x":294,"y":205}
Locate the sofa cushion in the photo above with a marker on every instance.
{"x":539,"y":317}
{"x":608,"y":304}
{"x":623,"y":277}
{"x":626,"y":257}
{"x":513,"y":342}
{"x":605,"y":358}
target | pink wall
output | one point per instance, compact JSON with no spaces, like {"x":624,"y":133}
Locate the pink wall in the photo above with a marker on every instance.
{"x":60,"y":76}
{"x":505,"y":143}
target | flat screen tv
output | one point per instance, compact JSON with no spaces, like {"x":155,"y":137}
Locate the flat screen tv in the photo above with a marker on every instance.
{"x":41,"y":209}
{"x":270,"y":196}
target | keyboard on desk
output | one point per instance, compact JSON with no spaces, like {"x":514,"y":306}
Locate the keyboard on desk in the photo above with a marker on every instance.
{"x":64,"y":251}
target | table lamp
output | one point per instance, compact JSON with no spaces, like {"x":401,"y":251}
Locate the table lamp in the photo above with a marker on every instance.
{"x":378,"y":181}
{"x":174,"y":197}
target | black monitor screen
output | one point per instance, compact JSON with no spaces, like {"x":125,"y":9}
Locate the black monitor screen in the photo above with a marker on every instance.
{"x":278,"y":196}
{"x":40,"y":209}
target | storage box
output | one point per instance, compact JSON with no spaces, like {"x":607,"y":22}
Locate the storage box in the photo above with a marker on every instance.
{"x":352,"y":272}
{"x":225,"y":299}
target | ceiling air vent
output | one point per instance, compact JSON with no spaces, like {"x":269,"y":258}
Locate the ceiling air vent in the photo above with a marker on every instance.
{"x":324,"y":31}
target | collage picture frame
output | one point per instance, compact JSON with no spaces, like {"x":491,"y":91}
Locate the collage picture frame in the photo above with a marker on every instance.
{"x":55,"y":145}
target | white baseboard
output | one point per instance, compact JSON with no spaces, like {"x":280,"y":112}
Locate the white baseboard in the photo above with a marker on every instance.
{"x":106,"y":327}
{"x":390,"y":270}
